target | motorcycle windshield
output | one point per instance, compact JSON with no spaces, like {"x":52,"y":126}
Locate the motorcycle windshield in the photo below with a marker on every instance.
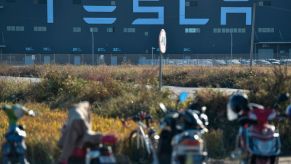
{"x":230,"y":114}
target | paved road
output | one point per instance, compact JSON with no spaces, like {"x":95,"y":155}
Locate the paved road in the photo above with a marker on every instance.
{"x":178,"y":90}
{"x":285,"y":160}
{"x":20,"y":79}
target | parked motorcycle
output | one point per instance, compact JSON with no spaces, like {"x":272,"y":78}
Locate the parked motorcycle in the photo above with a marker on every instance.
{"x":258,"y":141}
{"x":181,"y":138}
{"x":14,"y":148}
{"x":101,"y":153}
{"x":79,"y":143}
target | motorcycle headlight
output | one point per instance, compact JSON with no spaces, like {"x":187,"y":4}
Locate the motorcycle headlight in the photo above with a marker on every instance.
{"x":156,"y":137}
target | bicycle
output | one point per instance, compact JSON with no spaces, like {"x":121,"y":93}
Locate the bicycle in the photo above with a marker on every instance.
{"x":143,"y":139}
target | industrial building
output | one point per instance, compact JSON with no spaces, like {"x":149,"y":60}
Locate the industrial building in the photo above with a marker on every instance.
{"x":116,"y":31}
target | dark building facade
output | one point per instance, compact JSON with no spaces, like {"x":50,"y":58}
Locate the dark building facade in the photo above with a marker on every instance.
{"x":83,"y":30}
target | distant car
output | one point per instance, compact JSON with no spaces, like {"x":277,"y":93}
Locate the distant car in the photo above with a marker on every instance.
{"x":245,"y":62}
{"x":171,"y":62}
{"x":285,"y":61}
{"x":204,"y":62}
{"x":234,"y":62}
{"x":219,"y":62}
{"x":274,"y":61}
{"x":262,"y":62}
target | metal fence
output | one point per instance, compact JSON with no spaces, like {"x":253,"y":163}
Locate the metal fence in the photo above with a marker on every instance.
{"x":28,"y":59}
{"x":140,"y":59}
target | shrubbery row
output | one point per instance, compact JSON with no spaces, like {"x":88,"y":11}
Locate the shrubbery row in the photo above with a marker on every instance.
{"x":123,"y":91}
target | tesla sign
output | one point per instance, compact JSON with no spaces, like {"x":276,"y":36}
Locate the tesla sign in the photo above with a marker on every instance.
{"x":159,"y":10}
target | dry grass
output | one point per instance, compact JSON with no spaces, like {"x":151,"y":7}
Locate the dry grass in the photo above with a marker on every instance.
{"x":44,"y":131}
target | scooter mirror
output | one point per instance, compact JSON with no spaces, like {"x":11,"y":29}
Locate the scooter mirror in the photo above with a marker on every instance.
{"x":288,"y":111}
{"x":31,"y":113}
{"x":183,"y":97}
{"x":203,"y":109}
{"x":163,"y":107}
{"x":283,"y":97}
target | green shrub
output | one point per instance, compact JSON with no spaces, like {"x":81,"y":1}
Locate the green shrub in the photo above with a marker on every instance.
{"x":139,"y":98}
{"x":13,"y":90}
{"x":214,"y":143}
{"x":216,"y":112}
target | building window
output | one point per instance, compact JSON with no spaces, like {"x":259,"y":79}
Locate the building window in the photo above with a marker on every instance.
{"x":266,"y":30}
{"x":113,"y":3}
{"x":77,"y":29}
{"x":229,"y":30}
{"x":76,"y":50}
{"x":223,"y":30}
{"x":129,"y":30}
{"x":101,"y":49}
{"x":15,"y":28}
{"x":190,"y":3}
{"x":10,"y":28}
{"x":19,"y":28}
{"x":187,"y":49}
{"x":265,"y":3}
{"x":39,"y":28}
{"x":110,"y":29}
{"x":46,"y":49}
{"x":76,"y":2}
{"x":192,"y":30}
{"x":39,"y":1}
{"x":28,"y":49}
{"x":146,"y":33}
{"x":217,"y":30}
{"x":93,"y":29}
{"x":116,"y":49}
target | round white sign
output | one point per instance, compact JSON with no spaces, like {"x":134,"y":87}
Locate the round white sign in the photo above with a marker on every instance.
{"x":163,"y":41}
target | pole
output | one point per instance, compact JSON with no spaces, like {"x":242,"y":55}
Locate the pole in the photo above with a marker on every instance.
{"x":231,"y":44}
{"x":1,"y":54}
{"x":92,"y":46}
{"x":33,"y":60}
{"x":253,"y":34}
{"x":161,"y":74}
{"x":153,"y":55}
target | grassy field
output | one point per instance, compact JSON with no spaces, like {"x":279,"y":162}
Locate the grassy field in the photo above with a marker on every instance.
{"x":122,"y":91}
{"x":44,"y":131}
